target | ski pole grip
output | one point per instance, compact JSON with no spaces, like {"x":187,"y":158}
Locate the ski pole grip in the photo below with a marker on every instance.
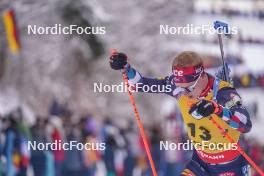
{"x":222,"y":28}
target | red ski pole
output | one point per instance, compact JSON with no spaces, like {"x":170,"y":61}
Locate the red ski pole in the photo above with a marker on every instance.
{"x":219,"y":25}
{"x":140,"y":126}
{"x":139,"y":123}
{"x":239,"y":148}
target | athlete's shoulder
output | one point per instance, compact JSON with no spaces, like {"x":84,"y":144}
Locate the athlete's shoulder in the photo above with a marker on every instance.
{"x":224,"y":84}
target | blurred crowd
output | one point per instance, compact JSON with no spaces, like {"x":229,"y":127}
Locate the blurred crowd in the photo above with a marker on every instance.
{"x":256,"y":151}
{"x":249,"y":80}
{"x":124,"y":153}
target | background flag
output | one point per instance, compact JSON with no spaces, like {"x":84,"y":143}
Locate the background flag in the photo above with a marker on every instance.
{"x":11,"y":30}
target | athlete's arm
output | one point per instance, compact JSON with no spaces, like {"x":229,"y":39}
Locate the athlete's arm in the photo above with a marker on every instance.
{"x":228,"y":107}
{"x":118,"y":61}
{"x":149,"y":85}
{"x":233,"y":112}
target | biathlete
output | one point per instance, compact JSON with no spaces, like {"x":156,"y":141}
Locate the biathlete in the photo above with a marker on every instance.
{"x":201,"y":96}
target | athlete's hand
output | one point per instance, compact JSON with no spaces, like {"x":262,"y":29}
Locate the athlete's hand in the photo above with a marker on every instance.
{"x":204,"y":108}
{"x":118,"y":60}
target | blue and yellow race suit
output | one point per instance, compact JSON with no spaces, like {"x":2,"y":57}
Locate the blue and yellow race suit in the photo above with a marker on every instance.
{"x":234,"y":119}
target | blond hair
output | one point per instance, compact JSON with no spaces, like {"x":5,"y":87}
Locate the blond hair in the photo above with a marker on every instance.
{"x":187,"y":59}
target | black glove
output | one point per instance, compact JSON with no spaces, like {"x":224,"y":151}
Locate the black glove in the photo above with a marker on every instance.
{"x":118,"y":61}
{"x":203,"y":108}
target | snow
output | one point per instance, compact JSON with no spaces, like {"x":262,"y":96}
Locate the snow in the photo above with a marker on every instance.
{"x":63,"y":66}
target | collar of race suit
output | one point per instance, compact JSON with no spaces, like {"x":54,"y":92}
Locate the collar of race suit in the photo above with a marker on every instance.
{"x":209,"y":85}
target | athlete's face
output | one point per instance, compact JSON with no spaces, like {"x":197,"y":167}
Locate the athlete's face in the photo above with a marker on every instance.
{"x":196,"y":87}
